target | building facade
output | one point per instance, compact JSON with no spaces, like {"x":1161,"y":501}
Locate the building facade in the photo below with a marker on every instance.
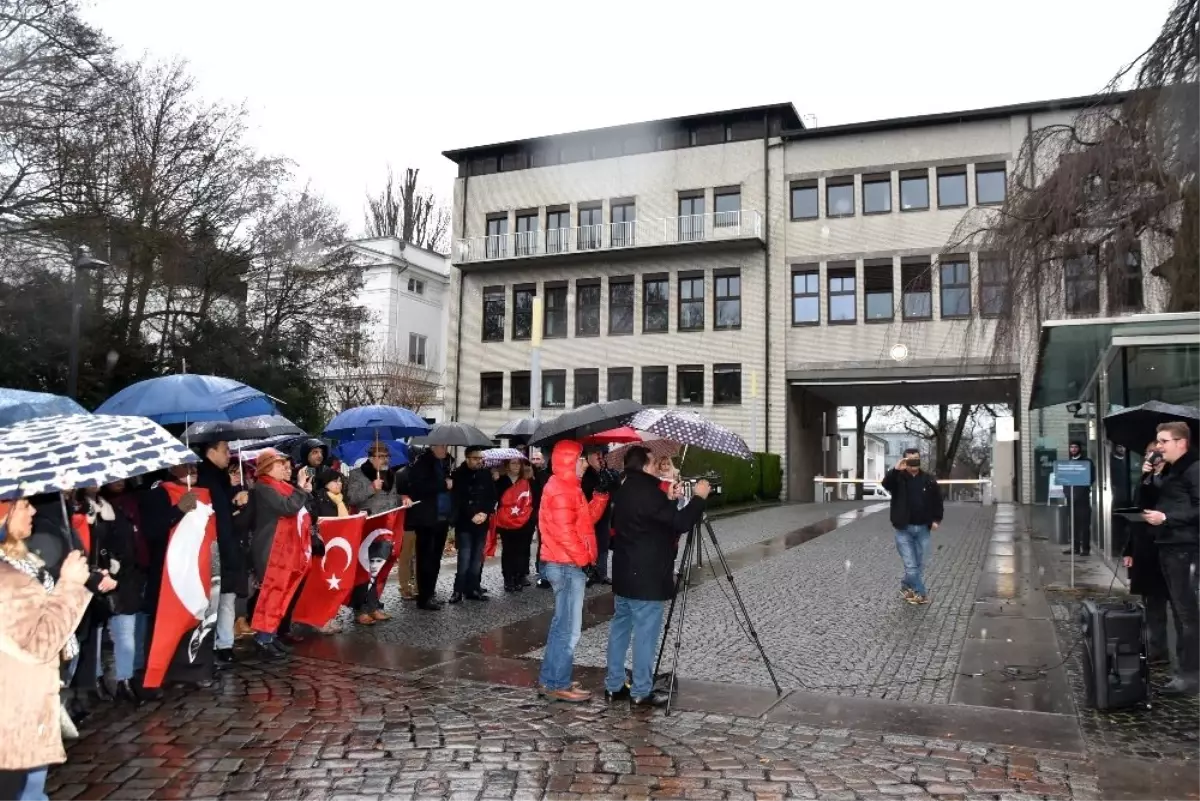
{"x":742,"y":265}
{"x":875,"y":464}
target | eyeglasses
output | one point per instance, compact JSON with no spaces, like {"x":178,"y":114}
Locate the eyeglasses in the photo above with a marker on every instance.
{"x":1169,"y":439}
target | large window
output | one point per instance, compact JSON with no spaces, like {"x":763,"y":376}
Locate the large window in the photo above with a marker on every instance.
{"x":558,"y":230}
{"x":727,"y":311}
{"x":989,"y":184}
{"x":877,"y":289}
{"x":624,"y":225}
{"x":493,"y":314}
{"x":839,"y":197}
{"x":877,"y":193}
{"x":555,"y":312}
{"x":952,"y":187}
{"x":916,"y":279}
{"x":727,"y":208}
{"x":496,"y":244}
{"x":416,"y":286}
{"x":527,"y":234}
{"x":1125,"y":284}
{"x":954,"y":274}
{"x":691,"y":218}
{"x":519,"y":390}
{"x":591,"y":227}
{"x":587,"y":386}
{"x":491,"y":390}
{"x":416,"y":349}
{"x":914,"y":190}
{"x":654,"y":386}
{"x":554,"y":389}
{"x":620,"y":306}
{"x":656,"y":299}
{"x":620,"y":383}
{"x":523,"y":311}
{"x":805,"y":205}
{"x":993,"y":285}
{"x":1082,"y":284}
{"x":690,"y":391}
{"x":843,"y":299}
{"x":691,"y":303}
{"x":727,"y":383}
{"x":806,"y":296}
{"x":587,"y":308}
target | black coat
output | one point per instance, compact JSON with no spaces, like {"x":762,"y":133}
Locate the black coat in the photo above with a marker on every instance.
{"x":233,"y":562}
{"x":425,"y":481}
{"x":590,"y":484}
{"x":1145,"y":577}
{"x":647,"y":523}
{"x":474,"y":493}
{"x":897,"y":483}
{"x":115,"y":544}
{"x":1179,"y":500}
{"x":159,"y":516}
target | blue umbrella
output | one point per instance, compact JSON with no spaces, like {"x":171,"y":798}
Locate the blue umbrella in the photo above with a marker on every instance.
{"x":351,"y":452}
{"x":17,"y":405}
{"x":188,"y":398}
{"x":376,"y":422}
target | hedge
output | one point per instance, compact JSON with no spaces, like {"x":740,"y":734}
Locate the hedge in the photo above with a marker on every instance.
{"x":761,"y":479}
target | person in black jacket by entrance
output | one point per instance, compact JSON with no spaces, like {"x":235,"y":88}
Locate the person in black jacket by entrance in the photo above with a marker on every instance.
{"x":916,"y":511}
{"x":1175,"y":519}
{"x":1141,"y":560}
{"x":1081,"y":506}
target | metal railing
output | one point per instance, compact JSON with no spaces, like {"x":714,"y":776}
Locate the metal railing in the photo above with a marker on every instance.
{"x":978,"y":490}
{"x":717,"y":226}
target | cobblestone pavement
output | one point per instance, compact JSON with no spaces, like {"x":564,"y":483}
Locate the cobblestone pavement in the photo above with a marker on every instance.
{"x":829,"y":615}
{"x":319,"y":730}
{"x":453,"y":624}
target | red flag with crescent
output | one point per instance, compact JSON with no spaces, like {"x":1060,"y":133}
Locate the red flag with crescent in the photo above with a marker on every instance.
{"x":331,"y":577}
{"x":385,"y":527}
{"x":287,"y":563}
{"x":186,"y":581}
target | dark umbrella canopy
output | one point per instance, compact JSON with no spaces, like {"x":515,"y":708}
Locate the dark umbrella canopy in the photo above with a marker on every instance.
{"x":1138,"y":425}
{"x":258,"y":427}
{"x":586,"y":420}
{"x":521,"y":428}
{"x":461,"y":434}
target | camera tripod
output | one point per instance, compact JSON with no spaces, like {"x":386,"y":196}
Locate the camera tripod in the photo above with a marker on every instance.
{"x":693,"y":550}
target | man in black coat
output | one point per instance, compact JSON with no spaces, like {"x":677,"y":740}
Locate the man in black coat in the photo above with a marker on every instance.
{"x":1081,"y":506}
{"x":916,"y":511}
{"x":430,"y":486}
{"x":647,"y":521}
{"x":212,"y":474}
{"x":1140,"y":558}
{"x":1176,"y":521}
{"x":474,"y":504}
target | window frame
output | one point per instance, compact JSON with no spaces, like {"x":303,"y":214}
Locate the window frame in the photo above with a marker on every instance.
{"x":558,"y":242}
{"x":688,"y":232}
{"x":957,"y":171}
{"x":591,"y":234}
{"x":632,"y":284}
{"x":841,"y":182}
{"x":925,"y":267}
{"x":627,"y":227}
{"x":964,"y":289}
{"x":988,"y":262}
{"x":665,"y":303}
{"x":555,"y":290}
{"x":422,"y":342}
{"x":873,"y":267}
{"x":550,"y":375}
{"x":815,"y":188}
{"x":514,"y":401}
{"x":734,"y":221}
{"x":726,"y":369}
{"x":416,"y":286}
{"x":875,"y":179}
{"x":483,"y":395}
{"x":656,"y":370}
{"x":806,"y":270}
{"x":592,"y":373}
{"x":991,"y":169}
{"x":1127,"y":275}
{"x":531,"y":291}
{"x":527,"y":239}
{"x":690,"y":279}
{"x":580,"y":286}
{"x":623,"y":372}
{"x":915,"y":175}
{"x":844,"y":270}
{"x":726,"y":276}
{"x":1082,"y":258}
{"x":494,"y":294}
{"x":689,"y":371}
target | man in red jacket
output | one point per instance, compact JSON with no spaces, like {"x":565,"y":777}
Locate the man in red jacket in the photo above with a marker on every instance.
{"x":566,"y":525}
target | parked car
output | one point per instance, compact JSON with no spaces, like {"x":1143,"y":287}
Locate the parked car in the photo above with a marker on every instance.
{"x":875,"y":491}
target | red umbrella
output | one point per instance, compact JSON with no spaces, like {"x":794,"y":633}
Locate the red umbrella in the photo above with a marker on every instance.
{"x":613,"y":436}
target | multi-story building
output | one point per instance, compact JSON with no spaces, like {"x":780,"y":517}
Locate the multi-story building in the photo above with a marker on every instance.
{"x":749,"y":267}
{"x":875,"y":464}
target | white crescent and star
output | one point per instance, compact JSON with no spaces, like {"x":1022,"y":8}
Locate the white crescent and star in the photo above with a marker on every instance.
{"x":183,"y":560}
{"x":337,"y":544}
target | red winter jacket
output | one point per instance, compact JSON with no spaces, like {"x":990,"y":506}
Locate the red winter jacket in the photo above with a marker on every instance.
{"x":566,"y":520}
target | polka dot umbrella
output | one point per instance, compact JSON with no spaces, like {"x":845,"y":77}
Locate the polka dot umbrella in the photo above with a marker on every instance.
{"x":689,"y":428}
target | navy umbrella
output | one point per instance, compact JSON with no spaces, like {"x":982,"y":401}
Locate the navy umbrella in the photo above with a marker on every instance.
{"x":188,"y":398}
{"x":258,"y":427}
{"x":18,"y":404}
{"x":689,"y":428}
{"x":376,"y":422}
{"x":1138,"y":425}
{"x":585,"y":421}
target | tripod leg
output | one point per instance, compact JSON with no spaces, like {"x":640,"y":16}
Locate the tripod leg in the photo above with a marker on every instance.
{"x":679,"y":581}
{"x":712,"y":535}
{"x":693,"y":537}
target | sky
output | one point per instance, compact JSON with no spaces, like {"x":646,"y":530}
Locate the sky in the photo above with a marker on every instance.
{"x":346,"y":88}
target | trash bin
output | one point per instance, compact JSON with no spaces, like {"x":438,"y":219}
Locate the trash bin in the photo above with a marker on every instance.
{"x":1062,"y":524}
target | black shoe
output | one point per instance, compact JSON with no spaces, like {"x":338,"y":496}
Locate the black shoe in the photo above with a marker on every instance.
{"x":290,"y":639}
{"x":456,"y":597}
{"x":429,"y":606}
{"x":477,"y":596}
{"x":620,"y":695}
{"x":224,"y":657}
{"x":101,"y":692}
{"x":653,"y":700}
{"x":524,"y":582}
{"x":270,"y":651}
{"x":129,"y":694}
{"x":482,"y":591}
{"x":607,"y":582}
{"x":509,"y":587}
{"x":1178,"y":686}
{"x":542,"y":584}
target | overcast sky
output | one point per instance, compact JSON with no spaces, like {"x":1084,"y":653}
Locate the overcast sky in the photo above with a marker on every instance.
{"x":344,"y":88}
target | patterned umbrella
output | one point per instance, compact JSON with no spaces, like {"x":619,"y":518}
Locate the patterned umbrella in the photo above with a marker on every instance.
{"x":689,"y":428}
{"x":657,"y":447}
{"x":494,"y":457}
{"x":51,"y":454}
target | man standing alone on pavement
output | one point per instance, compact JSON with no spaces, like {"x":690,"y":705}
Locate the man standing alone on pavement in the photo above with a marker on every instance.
{"x":916,"y":511}
{"x":1081,"y":506}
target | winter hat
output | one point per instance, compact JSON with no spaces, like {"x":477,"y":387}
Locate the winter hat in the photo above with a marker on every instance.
{"x":267,"y":458}
{"x":326,"y":475}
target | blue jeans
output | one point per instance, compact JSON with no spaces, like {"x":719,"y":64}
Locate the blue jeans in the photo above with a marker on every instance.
{"x":35,"y":785}
{"x":913,"y":544}
{"x":122,"y":630}
{"x":469,"y":545}
{"x":643,"y":620}
{"x":569,"y":583}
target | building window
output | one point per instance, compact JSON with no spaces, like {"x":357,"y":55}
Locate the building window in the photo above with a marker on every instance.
{"x":620,"y":307}
{"x":624,"y":225}
{"x":843,"y":299}
{"x":990,"y":186}
{"x":416,"y":286}
{"x":591,"y":228}
{"x":491,"y":390}
{"x":620,"y":383}
{"x":493,"y":314}
{"x":805,"y":205}
{"x":727,"y":208}
{"x":839,"y":197}
{"x":690,"y":389}
{"x":1082,"y":284}
{"x":496,"y":243}
{"x":587,"y":387}
{"x":554,"y":389}
{"x":877,"y":193}
{"x":691,"y":303}
{"x":952,"y":187}
{"x":527,"y":235}
{"x":727,"y":309}
{"x":727,"y":383}
{"x":846,"y":444}
{"x":954,"y":277}
{"x":691,"y":218}
{"x":993,"y":286}
{"x":554,"y":315}
{"x":523,"y":312}
{"x":587,"y":309}
{"x":656,"y":299}
{"x":1125,"y":284}
{"x":877,"y":289}
{"x":806,"y":297}
{"x":558,"y":231}
{"x":916,"y":281}
{"x":416,"y":349}
{"x":518,"y":392}
{"x":654,"y":386}
{"x":914,"y":190}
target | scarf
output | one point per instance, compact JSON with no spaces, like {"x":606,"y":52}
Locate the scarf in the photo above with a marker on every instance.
{"x":282,"y":487}
{"x":370,"y":472}
{"x":336,"y":500}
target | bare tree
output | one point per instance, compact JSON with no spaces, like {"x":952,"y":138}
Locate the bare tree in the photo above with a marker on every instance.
{"x":944,"y":435}
{"x":386,"y":376}
{"x":409,"y":213}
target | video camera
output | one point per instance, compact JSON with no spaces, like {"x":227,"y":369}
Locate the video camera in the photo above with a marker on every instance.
{"x":609,"y":481}
{"x":688,"y":483}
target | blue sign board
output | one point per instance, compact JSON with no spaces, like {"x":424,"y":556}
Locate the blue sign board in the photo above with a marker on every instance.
{"x":1073,"y":473}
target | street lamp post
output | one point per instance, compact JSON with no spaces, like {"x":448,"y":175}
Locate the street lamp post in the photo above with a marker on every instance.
{"x":83,"y":261}
{"x":535,"y":360}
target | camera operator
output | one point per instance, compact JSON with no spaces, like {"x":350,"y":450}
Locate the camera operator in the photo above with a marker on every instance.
{"x":916,"y":511}
{"x":598,"y":478}
{"x":649,"y":521}
{"x":1175,"y":519}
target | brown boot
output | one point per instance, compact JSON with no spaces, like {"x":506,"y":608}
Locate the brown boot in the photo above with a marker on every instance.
{"x":571,"y":695}
{"x":365,"y":620}
{"x":379,"y":614}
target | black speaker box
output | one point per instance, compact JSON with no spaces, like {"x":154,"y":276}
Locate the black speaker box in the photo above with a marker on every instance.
{"x":1114,"y":664}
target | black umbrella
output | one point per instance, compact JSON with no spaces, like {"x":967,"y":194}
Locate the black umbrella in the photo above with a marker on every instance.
{"x":585,"y":421}
{"x":521,"y":428}
{"x":455,"y":434}
{"x":258,"y":427}
{"x":1138,"y":425}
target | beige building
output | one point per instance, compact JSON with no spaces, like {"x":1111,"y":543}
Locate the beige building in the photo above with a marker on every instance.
{"x":745,"y":266}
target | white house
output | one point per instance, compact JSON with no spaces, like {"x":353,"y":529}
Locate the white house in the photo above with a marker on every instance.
{"x":875,"y":463}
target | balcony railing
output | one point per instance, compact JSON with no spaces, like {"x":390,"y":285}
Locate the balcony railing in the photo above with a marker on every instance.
{"x":718,"y":226}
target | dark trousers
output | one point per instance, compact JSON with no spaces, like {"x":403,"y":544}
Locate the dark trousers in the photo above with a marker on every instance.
{"x":469,"y":542}
{"x":1179,"y":569}
{"x":515,"y":547}
{"x":431,"y":545}
{"x":1158,"y":646}
{"x":1083,"y":528}
{"x":364,"y":598}
{"x":603,"y":538}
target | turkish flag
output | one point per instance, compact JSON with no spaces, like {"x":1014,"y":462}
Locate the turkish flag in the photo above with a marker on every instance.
{"x":331,"y":577}
{"x":183,"y":599}
{"x":383,"y":527}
